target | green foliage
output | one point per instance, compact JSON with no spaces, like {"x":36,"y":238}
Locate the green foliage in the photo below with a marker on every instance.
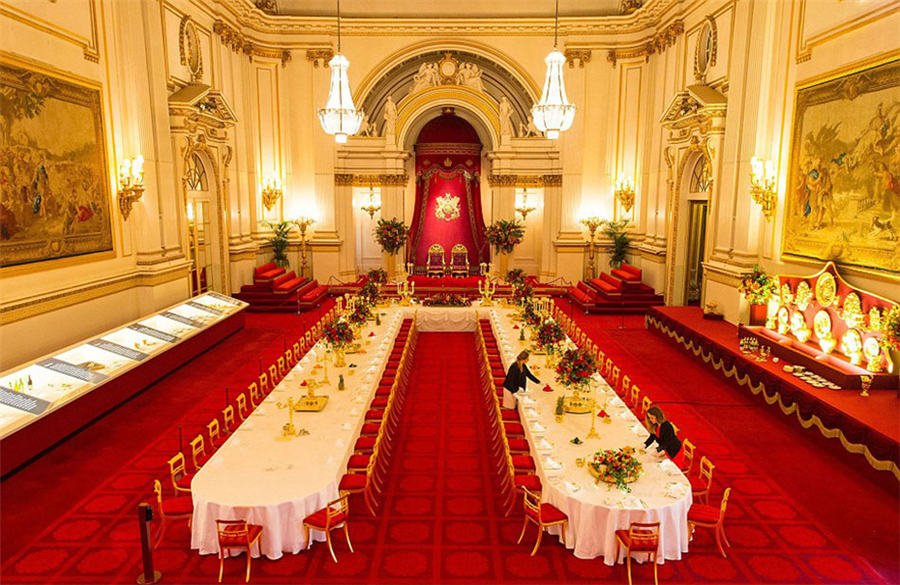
{"x":279,"y":241}
{"x":505,"y":235}
{"x":617,"y":231}
{"x":391,"y":234}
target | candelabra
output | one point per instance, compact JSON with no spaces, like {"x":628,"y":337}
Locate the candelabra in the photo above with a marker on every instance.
{"x":487,"y":289}
{"x":406,"y":292}
{"x":625,"y":193}
{"x":302,"y":224}
{"x":131,"y":183}
{"x":522,"y":206}
{"x":762,"y":185}
{"x":592,"y":434}
{"x":592,"y":223}
{"x":374,"y":205}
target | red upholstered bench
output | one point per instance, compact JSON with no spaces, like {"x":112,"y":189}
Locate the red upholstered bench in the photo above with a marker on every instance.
{"x":266,"y":273}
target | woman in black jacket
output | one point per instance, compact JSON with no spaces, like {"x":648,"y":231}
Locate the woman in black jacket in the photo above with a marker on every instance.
{"x":663,"y":432}
{"x":516,"y":378}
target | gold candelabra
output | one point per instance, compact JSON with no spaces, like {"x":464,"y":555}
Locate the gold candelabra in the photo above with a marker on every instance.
{"x":625,"y":193}
{"x":487,"y":289}
{"x":302,"y":224}
{"x":374,"y":204}
{"x":406,"y":292}
{"x":288,"y":429}
{"x":763,"y":184}
{"x":592,"y":223}
{"x":522,"y":206}
{"x":592,"y":434}
{"x":131,"y":183}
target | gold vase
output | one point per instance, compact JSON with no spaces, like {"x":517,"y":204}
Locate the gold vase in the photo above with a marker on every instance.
{"x":339,"y":361}
{"x":390,"y":265}
{"x":502,"y":264}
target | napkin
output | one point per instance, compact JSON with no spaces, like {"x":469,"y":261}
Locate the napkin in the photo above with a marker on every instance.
{"x":515,"y":326}
{"x":544,"y":445}
{"x":346,"y":426}
{"x":371,"y":334}
{"x":669,"y":467}
{"x":622,"y":414}
{"x":638,"y":429}
{"x":539,"y":428}
{"x":676,"y":490}
{"x":571,"y":487}
{"x":355,"y":412}
{"x":531,"y":413}
{"x":632,"y":503}
{"x":527,"y":400}
{"x":303,"y":383}
{"x":551,"y":463}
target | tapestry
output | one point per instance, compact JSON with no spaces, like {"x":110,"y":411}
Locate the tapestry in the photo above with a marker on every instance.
{"x":843,"y":199}
{"x":54,"y":186}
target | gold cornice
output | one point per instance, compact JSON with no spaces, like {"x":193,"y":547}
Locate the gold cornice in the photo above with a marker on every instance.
{"x":510,"y":180}
{"x":577,"y":56}
{"x":238,"y":43}
{"x":319,"y":57}
{"x":380,"y":180}
{"x":658,"y":43}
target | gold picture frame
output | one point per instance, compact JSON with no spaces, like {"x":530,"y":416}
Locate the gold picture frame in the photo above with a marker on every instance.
{"x":844,"y":144}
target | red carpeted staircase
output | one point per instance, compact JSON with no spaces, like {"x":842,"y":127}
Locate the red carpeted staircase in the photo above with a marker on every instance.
{"x":278,"y":290}
{"x":620,"y":291}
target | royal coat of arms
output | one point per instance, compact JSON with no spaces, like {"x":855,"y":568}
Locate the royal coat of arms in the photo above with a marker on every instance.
{"x":447,"y":207}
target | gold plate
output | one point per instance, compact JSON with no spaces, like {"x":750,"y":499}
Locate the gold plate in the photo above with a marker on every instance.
{"x":826,"y":289}
{"x":875,"y":318}
{"x":784,"y":320}
{"x":852,"y":313}
{"x":804,"y":295}
{"x":798,"y":323}
{"x":822,"y":324}
{"x":787,"y":296}
{"x":310,"y":404}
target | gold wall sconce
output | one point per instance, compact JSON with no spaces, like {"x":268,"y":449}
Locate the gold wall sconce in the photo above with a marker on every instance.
{"x":271,"y":193}
{"x":131,"y":183}
{"x":624,"y":192}
{"x":522,"y":206}
{"x":374,"y":205}
{"x":762,"y":185}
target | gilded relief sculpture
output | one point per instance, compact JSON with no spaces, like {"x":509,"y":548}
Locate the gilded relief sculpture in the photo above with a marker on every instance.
{"x":843,"y":201}
{"x":54,"y":184}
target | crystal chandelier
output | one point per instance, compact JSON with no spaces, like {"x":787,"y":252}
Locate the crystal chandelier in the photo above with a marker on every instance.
{"x":554,"y":113}
{"x":339,"y":116}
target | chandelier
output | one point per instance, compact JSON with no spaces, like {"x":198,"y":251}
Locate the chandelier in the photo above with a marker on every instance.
{"x":554,"y":113}
{"x":339,"y":116}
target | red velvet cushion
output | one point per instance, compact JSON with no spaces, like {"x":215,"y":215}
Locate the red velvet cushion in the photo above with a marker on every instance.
{"x":514,"y":429}
{"x":698,"y":484}
{"x":370,"y":429}
{"x":358,"y":461}
{"x":352,"y":481}
{"x":531,"y":482}
{"x":701,"y":513}
{"x":520,"y":445}
{"x":380,"y":402}
{"x":383,"y":390}
{"x":510,"y":415}
{"x":178,"y":506}
{"x":639,"y":544}
{"x":523,"y":462}
{"x":185,"y":481}
{"x":375,"y":415}
{"x":239,"y":539}
{"x":364,"y":443}
{"x":549,"y":513}
{"x":320,"y":518}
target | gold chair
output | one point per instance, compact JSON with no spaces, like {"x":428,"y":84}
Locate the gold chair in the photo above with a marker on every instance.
{"x":181,"y":479}
{"x":633,"y":396}
{"x":710,"y":517}
{"x":237,"y":534}
{"x":298,"y":352}
{"x":214,"y":433}
{"x":702,"y":484}
{"x":282,"y":367}
{"x":645,"y":406}
{"x":273,"y":375}
{"x":687,"y":456}
{"x":459,"y":261}
{"x":264,"y":383}
{"x":622,"y":390}
{"x":228,"y":419}
{"x":331,"y":517}
{"x":198,"y":452}
{"x":640,"y":537}
{"x":177,"y":508}
{"x":255,"y":396}
{"x":435,"y":263}
{"x":242,"y":410}
{"x":613,"y":379}
{"x":543,"y":515}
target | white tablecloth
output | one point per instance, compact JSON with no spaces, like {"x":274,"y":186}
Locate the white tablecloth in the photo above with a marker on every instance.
{"x":595,"y":512}
{"x":275,"y":483}
{"x":432,"y":319}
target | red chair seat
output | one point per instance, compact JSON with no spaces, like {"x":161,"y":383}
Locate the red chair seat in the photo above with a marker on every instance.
{"x":253,"y":532}
{"x":698,"y":484}
{"x":358,"y":461}
{"x":379,"y":402}
{"x":364,"y":443}
{"x":384,"y":390}
{"x":532,"y":482}
{"x":352,"y":481}
{"x":185,"y":481}
{"x":514,"y":429}
{"x":178,"y":506}
{"x":320,"y":519}
{"x":520,"y":445}
{"x":510,"y":415}
{"x":497,"y":372}
{"x":702,"y":513}
{"x":639,"y":544}
{"x":370,"y":429}
{"x":550,"y":514}
{"x":375,"y":415}
{"x":523,"y":462}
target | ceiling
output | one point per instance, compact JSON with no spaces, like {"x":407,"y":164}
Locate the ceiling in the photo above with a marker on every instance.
{"x":446,"y":9}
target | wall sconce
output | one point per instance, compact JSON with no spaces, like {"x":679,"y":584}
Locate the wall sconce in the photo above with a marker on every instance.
{"x":625,"y":192}
{"x":271,"y":193}
{"x":131,"y":183}
{"x":374,"y":203}
{"x":522,"y":206}
{"x":762,"y":185}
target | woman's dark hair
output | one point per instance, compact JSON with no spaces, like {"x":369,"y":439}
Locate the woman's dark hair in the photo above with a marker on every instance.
{"x":523,"y":355}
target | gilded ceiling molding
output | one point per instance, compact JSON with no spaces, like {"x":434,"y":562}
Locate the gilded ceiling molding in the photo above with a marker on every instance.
{"x":577,"y":57}
{"x":657,"y":44}
{"x":510,"y":180}
{"x":238,"y":43}
{"x":380,"y":180}
{"x":319,"y":57}
{"x":629,"y":6}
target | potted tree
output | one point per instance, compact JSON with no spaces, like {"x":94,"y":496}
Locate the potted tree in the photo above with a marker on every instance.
{"x":279,"y":241}
{"x":617,"y":231}
{"x":504,"y":235}
{"x":391,"y":235}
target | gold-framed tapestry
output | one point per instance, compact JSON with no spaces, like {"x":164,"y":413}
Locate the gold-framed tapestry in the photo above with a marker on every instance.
{"x":54,"y":179}
{"x":843,"y":196}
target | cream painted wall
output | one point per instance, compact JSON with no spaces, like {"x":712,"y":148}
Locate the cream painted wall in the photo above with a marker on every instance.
{"x":765,"y":48}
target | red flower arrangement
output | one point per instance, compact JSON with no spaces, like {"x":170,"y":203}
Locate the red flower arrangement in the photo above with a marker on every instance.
{"x":370,"y":293}
{"x":338,"y":334}
{"x":530,"y":315}
{"x":391,"y":234}
{"x":549,"y":334}
{"x":576,"y":367}
{"x":360,"y":314}
{"x":515,"y":276}
{"x":758,"y":286}
{"x":617,"y":466}
{"x":505,"y":235}
{"x":522,"y":293}
{"x":377,"y":275}
{"x":446,"y":300}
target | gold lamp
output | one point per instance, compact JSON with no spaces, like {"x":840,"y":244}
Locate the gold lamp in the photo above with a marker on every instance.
{"x":762,"y":185}
{"x":131,"y":183}
{"x":592,"y":223}
{"x":271,"y":192}
{"x":522,"y":206}
{"x":302,"y":223}
{"x":374,"y":203}
{"x":625,"y":192}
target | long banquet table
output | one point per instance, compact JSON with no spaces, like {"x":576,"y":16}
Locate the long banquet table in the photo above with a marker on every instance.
{"x":276,"y":483}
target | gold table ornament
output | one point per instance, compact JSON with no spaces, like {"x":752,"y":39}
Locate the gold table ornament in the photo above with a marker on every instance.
{"x":288,"y":431}
{"x":866,"y":383}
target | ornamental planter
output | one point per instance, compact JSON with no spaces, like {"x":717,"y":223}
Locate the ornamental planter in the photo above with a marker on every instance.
{"x":503,"y":264}
{"x":390,"y":265}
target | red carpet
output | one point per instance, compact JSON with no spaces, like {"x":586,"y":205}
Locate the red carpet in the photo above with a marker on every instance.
{"x":438,"y":521}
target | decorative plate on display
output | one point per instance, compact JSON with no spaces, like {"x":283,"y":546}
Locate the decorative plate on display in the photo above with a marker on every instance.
{"x":787,"y":295}
{"x":798,"y":323}
{"x":852,"y":313}
{"x":875,"y":316}
{"x":826,"y":289}
{"x":804,"y":295}
{"x":852,"y":343}
{"x":871,"y":348}
{"x":822,"y":324}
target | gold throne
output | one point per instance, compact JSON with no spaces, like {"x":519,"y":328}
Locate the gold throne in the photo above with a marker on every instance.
{"x":459,"y":261}
{"x":435,"y":264}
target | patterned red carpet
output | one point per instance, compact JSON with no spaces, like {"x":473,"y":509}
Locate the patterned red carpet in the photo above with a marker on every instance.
{"x":70,"y":516}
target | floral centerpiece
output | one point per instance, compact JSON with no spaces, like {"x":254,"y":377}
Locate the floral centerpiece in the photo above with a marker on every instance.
{"x":575,"y":368}
{"x":360,"y":314}
{"x":377,"y":275}
{"x":515,"y":276}
{"x":615,"y":466}
{"x":370,"y":293}
{"x":522,"y":294}
{"x":891,"y":339}
{"x":549,"y":334}
{"x":446,"y":300}
{"x":338,"y":334}
{"x":757,"y":287}
{"x":391,"y":235}
{"x":504,"y":235}
{"x":530,"y":314}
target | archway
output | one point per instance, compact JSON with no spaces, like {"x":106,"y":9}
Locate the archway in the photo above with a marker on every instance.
{"x":447,"y":215}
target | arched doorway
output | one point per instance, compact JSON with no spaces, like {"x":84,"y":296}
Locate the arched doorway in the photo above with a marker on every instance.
{"x":698,"y":210}
{"x":204,"y":229}
{"x":447,"y":214}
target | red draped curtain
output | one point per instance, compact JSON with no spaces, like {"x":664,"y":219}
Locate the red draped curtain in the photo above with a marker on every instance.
{"x":448,"y":194}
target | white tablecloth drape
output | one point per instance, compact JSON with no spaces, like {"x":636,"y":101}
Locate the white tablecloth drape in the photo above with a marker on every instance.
{"x":275,"y":483}
{"x":595,"y":512}
{"x":432,"y":319}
